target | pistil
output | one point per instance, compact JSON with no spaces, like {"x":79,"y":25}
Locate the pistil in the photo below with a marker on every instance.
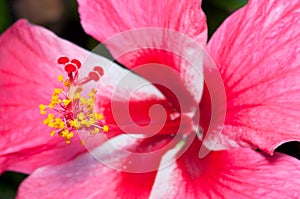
{"x":69,"y":111}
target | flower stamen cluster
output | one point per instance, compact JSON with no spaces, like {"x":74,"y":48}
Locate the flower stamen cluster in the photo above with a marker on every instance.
{"x":68,"y":109}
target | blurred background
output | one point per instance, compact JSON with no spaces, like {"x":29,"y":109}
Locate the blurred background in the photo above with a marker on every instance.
{"x":61,"y":17}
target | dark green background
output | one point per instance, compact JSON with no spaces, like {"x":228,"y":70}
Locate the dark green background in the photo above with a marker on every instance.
{"x":69,"y":28}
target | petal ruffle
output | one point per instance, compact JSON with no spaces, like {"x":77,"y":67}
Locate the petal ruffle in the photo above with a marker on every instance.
{"x":236,"y":173}
{"x":132,"y":105}
{"x":104,"y":19}
{"x":257,"y":53}
{"x":85,"y":177}
{"x":150,"y":38}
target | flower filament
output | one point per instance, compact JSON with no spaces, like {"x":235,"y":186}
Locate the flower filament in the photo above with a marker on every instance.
{"x":68,"y":109}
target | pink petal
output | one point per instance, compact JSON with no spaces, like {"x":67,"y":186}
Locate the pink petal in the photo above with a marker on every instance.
{"x":139,"y":117}
{"x":236,"y":173}
{"x":132,"y":105}
{"x":257,"y":52}
{"x":28,"y":76}
{"x":85,"y":177}
{"x":104,"y":19}
{"x":158,"y":47}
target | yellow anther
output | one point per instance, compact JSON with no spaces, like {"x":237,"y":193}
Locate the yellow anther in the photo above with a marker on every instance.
{"x":93,"y":90}
{"x":66,"y":102}
{"x":79,"y":90}
{"x":72,"y":123}
{"x":45,"y":121}
{"x":64,"y":133}
{"x":49,"y":119}
{"x":58,"y":123}
{"x":71,"y":134}
{"x":89,"y":123}
{"x":61,"y":125}
{"x":68,"y":110}
{"x":92,"y":93}
{"x":90,"y":102}
{"x":51,"y":124}
{"x":42,"y":109}
{"x":75,"y":123}
{"x":81,"y":116}
{"x":84,"y":122}
{"x":60,"y":78}
{"x":57,"y":91}
{"x":77,"y":96}
{"x":99,"y":116}
{"x":52,"y":133}
{"x":42,"y":106}
{"x":92,"y":120}
{"x":67,"y":83}
{"x":54,"y":100}
{"x":105,"y":129}
{"x":43,"y":112}
{"x":94,"y":131}
{"x":82,"y":101}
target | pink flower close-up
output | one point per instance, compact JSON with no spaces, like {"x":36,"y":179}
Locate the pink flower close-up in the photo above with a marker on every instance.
{"x":255,"y":51}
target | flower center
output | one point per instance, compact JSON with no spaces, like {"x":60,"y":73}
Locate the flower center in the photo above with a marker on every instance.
{"x":68,"y":109}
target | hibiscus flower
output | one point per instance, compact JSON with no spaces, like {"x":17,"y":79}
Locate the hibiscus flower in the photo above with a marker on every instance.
{"x":255,"y":51}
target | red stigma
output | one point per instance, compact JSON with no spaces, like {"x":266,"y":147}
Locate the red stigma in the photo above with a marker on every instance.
{"x":63,"y":60}
{"x":70,"y":67}
{"x":99,"y":70}
{"x":76,"y":62}
{"x":94,"y":76}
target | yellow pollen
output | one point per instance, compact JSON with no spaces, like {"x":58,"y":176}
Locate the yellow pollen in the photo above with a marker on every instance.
{"x":67,"y":83}
{"x":80,"y":116}
{"x":60,"y":78}
{"x":77,"y":96}
{"x":57,"y":91}
{"x":54,"y":100}
{"x":52,"y":133}
{"x":99,"y":116}
{"x":95,"y":131}
{"x":43,"y":109}
{"x":69,"y":111}
{"x":105,"y":128}
{"x":66,"y":102}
